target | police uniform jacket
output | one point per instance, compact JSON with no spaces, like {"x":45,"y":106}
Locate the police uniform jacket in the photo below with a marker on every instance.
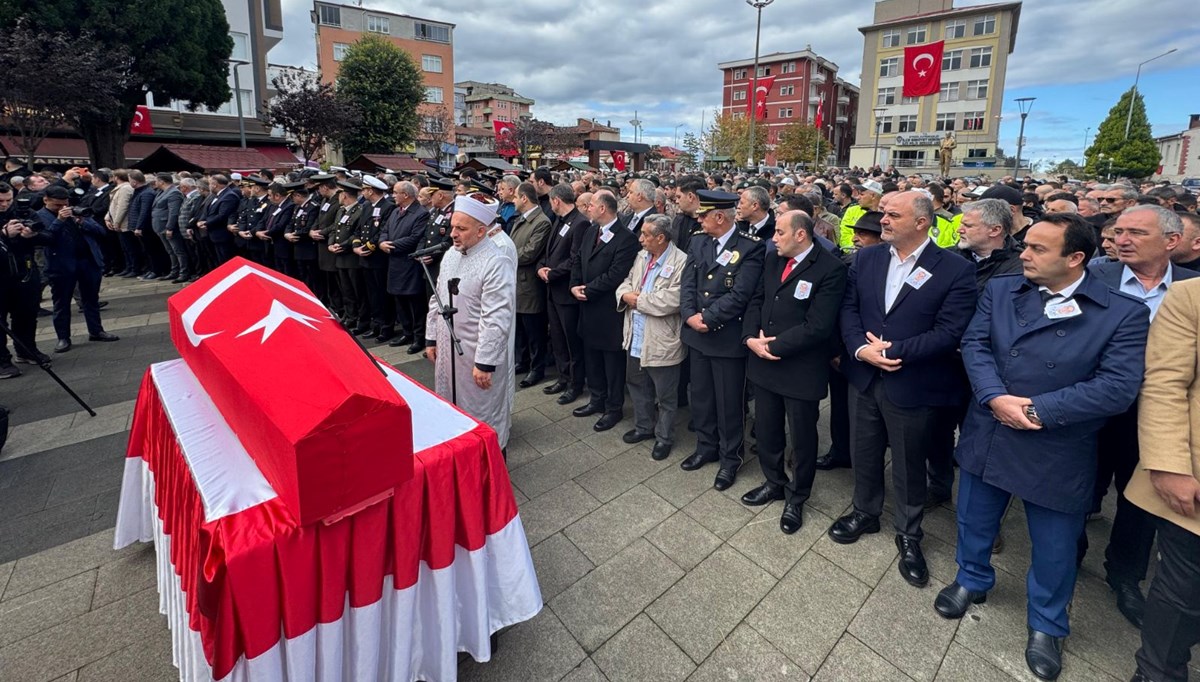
{"x":405,"y":229}
{"x":254,"y":217}
{"x":1078,"y":370}
{"x":343,"y":235}
{"x":327,"y":214}
{"x":801,"y":312}
{"x":720,"y":293}
{"x":437,"y":231}
{"x":369,"y":231}
{"x":303,"y":220}
{"x":278,"y":222}
{"x":562,"y":248}
{"x":600,"y":268}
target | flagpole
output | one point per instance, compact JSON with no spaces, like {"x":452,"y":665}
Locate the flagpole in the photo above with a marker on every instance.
{"x":758,"y":5}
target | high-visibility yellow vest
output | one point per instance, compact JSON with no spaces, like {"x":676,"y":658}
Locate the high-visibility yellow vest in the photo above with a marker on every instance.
{"x":846,"y":229}
{"x":944,"y":232}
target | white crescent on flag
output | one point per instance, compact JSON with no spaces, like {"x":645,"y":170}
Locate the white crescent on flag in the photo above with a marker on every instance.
{"x":194,"y":311}
{"x":917,"y":60}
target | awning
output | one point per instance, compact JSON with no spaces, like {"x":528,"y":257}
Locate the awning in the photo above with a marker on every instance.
{"x":70,"y":151}
{"x":369,"y":163}
{"x":208,"y":159}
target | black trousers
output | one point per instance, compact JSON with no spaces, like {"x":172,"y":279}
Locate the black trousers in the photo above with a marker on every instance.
{"x":19,"y":310}
{"x":224,"y":252}
{"x":87,"y":277}
{"x":606,"y":378}
{"x":305,"y":271}
{"x":114,"y":258}
{"x":718,"y":406}
{"x":379,"y":302}
{"x":531,"y":335}
{"x":1127,"y":556}
{"x":565,"y":342}
{"x":771,"y":410}
{"x":911,"y":432}
{"x":156,"y":251}
{"x":1172,"y":623}
{"x":411,"y":311}
{"x":353,"y":285}
{"x":839,"y":418}
{"x":329,"y":290}
{"x":133,"y":253}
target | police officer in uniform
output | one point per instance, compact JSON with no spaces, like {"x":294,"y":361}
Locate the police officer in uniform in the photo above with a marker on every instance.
{"x":304,"y":249}
{"x":279,"y":219}
{"x":377,"y":207}
{"x":724,"y":269}
{"x":355,"y":314}
{"x":440,"y":210}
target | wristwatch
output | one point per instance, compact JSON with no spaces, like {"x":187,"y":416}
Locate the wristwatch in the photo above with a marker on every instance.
{"x":1031,"y":413}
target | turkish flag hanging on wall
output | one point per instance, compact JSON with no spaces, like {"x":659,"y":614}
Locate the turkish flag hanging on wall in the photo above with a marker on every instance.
{"x":923,"y":69}
{"x":758,"y":104}
{"x":506,"y":138}
{"x":141,"y":125}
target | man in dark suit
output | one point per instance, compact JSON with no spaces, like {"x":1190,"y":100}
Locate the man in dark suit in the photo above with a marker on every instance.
{"x":304,"y":249}
{"x":754,"y":213}
{"x":255,"y":210}
{"x":402,"y":234}
{"x":562,"y":248}
{"x":724,"y":267}
{"x":530,"y":230}
{"x":221,"y":213}
{"x":791,"y":330}
{"x":272,"y":231}
{"x":1145,"y":237}
{"x":329,"y":200}
{"x":605,"y":258}
{"x":640,"y":198}
{"x":377,"y":207}
{"x":907,"y":304}
{"x":1050,"y":356}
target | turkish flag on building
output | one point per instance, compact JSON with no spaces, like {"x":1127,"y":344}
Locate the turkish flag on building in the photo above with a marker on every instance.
{"x":506,"y":138}
{"x":759,"y":102}
{"x":923,"y":69}
{"x":618,"y":160}
{"x":141,"y":125}
{"x":820,"y":117}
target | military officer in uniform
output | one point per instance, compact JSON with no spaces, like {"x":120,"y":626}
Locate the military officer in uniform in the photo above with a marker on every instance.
{"x":271,"y":232}
{"x":377,"y":207}
{"x":355,"y":315}
{"x":441,"y":207}
{"x":724,"y":268}
{"x":328,"y":200}
{"x":304,"y":249}
{"x":254,"y":216}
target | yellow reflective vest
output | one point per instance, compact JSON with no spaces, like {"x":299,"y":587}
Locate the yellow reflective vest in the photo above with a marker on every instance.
{"x":846,"y":228}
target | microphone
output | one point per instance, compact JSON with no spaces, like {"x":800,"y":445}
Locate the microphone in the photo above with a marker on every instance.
{"x":431,"y":251}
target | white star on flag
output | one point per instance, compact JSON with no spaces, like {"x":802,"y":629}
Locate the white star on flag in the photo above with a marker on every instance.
{"x":278,"y":314}
{"x":922,"y":73}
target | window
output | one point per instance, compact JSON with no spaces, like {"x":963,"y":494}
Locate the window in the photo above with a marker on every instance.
{"x":952,"y":60}
{"x":984,"y":25}
{"x":738,"y":115}
{"x":739,"y":95}
{"x":948,"y":93}
{"x":339,"y":51}
{"x":907,"y":124}
{"x":889,"y":67}
{"x":945,"y":122}
{"x":431,"y":63}
{"x":973,"y":120}
{"x":955,"y":29}
{"x":433,"y":95}
{"x":764,"y":71}
{"x":916,"y":35}
{"x":241,"y":46}
{"x":739,"y":74}
{"x":789,"y":67}
{"x":885,"y":96}
{"x":977,"y":153}
{"x":378,"y":24}
{"x":891,"y":38}
{"x":885,"y":124}
{"x":787,"y":90}
{"x":433,"y":124}
{"x":908,"y":157}
{"x":329,"y":15}
{"x":909,"y":100}
{"x":230,"y":108}
{"x":981,"y":57}
{"x":432,"y":32}
{"x":786,"y":112}
{"x":977,"y":89}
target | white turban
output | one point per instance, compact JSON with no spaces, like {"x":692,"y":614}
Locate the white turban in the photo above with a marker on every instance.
{"x":483,"y":211}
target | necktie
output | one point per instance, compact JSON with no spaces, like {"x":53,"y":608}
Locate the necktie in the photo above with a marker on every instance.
{"x":787,"y":269}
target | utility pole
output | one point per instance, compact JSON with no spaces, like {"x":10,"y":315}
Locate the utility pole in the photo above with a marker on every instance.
{"x":758,"y":5}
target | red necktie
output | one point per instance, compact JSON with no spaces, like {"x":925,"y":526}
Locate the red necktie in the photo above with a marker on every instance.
{"x":787,"y":269}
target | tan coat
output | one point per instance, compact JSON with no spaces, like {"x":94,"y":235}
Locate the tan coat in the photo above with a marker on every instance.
{"x":118,"y":206}
{"x":659,"y":303}
{"x":1169,"y":408}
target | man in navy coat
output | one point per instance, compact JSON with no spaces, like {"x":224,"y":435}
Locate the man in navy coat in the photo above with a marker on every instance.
{"x":907,"y":304}
{"x":402,"y":234}
{"x":1050,"y":355}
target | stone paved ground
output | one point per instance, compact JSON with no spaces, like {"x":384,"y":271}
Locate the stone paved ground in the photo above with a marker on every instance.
{"x":647,"y":572}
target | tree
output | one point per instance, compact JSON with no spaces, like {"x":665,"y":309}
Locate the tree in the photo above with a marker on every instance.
{"x":1065,"y":167}
{"x":798,"y":143}
{"x":431,"y":134}
{"x":730,"y":135}
{"x":88,"y":78}
{"x":180,"y":48}
{"x":1112,"y":154}
{"x":534,"y":136}
{"x":386,"y":86}
{"x":310,"y":112}
{"x":692,"y":147}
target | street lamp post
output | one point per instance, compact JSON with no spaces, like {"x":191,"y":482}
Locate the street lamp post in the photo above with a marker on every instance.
{"x":1133,"y":95}
{"x":1024,"y":104}
{"x":1086,"y":131}
{"x":875,"y":155}
{"x":237,"y":97}
{"x":758,"y":5}
{"x":676,"y":143}
{"x":637,"y":126}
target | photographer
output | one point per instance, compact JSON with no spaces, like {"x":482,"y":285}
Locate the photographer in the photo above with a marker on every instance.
{"x":20,"y":286}
{"x":71,"y":238}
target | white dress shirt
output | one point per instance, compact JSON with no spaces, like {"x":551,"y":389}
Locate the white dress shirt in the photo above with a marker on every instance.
{"x":898,"y":271}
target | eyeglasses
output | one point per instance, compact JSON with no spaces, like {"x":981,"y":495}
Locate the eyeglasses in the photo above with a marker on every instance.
{"x":1109,"y":200}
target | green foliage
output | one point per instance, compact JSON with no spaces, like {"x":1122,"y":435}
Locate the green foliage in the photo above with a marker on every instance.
{"x":730,"y":136}
{"x":692,"y":146}
{"x":385,"y":85}
{"x":798,"y":144}
{"x":1067,"y":167}
{"x":1135,"y":157}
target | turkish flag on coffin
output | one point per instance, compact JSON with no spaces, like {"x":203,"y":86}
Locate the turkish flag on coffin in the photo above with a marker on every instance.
{"x":923,"y":69}
{"x":324,"y":426}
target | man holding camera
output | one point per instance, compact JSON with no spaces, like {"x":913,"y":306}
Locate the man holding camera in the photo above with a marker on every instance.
{"x":20,"y":287}
{"x":73,"y":258}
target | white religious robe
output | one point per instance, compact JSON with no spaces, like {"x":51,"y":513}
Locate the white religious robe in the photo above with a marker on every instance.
{"x":486,"y":305}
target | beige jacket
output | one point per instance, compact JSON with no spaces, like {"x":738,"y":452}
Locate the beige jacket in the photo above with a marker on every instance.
{"x":118,"y":206}
{"x":659,"y":304}
{"x":1169,"y":407}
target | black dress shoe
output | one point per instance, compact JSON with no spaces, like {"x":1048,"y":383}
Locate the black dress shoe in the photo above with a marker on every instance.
{"x":792,"y":518}
{"x":763,"y":494}
{"x":725,"y":479}
{"x":1130,"y":601}
{"x":588,"y":410}
{"x":609,"y":420}
{"x":104,"y":337}
{"x":532,"y":379}
{"x":100,"y":305}
{"x":634,"y":436}
{"x":418,"y":346}
{"x":384,"y":335}
{"x":661,"y":451}
{"x":912,"y":562}
{"x":852,"y":526}
{"x":37,"y":359}
{"x":62,"y":346}
{"x":1043,"y":654}
{"x":368,"y":332}
{"x":359,"y":331}
{"x":521,"y":369}
{"x":829,"y":461}
{"x":954,"y":600}
{"x":568,"y":396}
{"x":402,"y":340}
{"x":697,"y":460}
{"x":556,"y":387}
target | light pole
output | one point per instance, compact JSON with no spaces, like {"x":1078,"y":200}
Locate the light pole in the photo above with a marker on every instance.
{"x":637,"y":126}
{"x":758,"y":5}
{"x":237,"y":97}
{"x":1133,"y":95}
{"x":1024,"y":104}
{"x":1086,"y":131}
{"x":875,"y":155}
{"x":676,"y":143}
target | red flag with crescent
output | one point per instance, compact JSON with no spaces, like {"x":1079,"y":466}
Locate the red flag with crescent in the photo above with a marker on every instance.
{"x":820,"y":113}
{"x":618,"y":159}
{"x":923,"y":69}
{"x":758,"y":103}
{"x":141,"y":125}
{"x":506,"y":138}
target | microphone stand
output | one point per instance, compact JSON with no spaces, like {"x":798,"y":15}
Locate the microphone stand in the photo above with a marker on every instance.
{"x":29,"y":353}
{"x":447,"y":313}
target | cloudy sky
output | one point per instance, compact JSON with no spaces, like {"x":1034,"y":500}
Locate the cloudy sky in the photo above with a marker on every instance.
{"x":610,"y":58}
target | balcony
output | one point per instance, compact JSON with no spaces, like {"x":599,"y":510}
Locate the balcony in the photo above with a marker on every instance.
{"x":487,"y":110}
{"x":814,"y":98}
{"x":843,"y":99}
{"x":842,"y":118}
{"x":817,"y":78}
